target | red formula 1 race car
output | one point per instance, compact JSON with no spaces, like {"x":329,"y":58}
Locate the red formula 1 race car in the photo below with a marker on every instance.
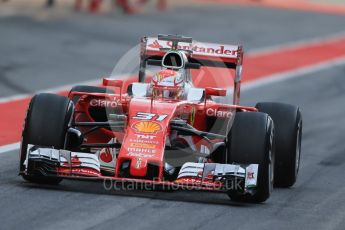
{"x":170,"y":127}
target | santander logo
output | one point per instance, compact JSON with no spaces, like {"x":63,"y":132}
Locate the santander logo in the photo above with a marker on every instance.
{"x":199,"y":48}
{"x":216,"y":50}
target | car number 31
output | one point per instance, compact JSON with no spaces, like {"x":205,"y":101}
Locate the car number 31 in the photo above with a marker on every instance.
{"x":150,"y":116}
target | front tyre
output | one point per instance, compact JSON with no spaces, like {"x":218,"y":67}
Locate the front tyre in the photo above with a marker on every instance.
{"x":252,"y":142}
{"x":46,"y":124}
{"x":288,"y":127}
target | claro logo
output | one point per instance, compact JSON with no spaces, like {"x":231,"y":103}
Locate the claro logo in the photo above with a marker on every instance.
{"x":104,"y":103}
{"x":218,"y":113}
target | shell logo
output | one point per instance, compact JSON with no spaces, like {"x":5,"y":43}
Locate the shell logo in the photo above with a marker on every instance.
{"x":147,"y":127}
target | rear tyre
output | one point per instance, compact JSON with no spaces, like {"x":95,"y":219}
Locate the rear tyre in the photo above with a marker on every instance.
{"x":288,"y":128}
{"x":252,"y":142}
{"x":46,"y":124}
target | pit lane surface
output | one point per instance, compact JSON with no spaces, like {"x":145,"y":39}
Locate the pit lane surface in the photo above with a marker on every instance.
{"x":315,"y":202}
{"x":44,"y":53}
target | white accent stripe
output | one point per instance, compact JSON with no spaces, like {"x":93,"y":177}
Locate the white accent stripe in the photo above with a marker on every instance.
{"x":59,"y":88}
{"x":50,"y":90}
{"x":10,"y":147}
{"x":297,"y":44}
{"x":274,"y":78}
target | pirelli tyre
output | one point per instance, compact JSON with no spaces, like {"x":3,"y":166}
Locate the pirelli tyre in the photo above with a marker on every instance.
{"x":252,"y":142}
{"x":46,"y":124}
{"x":88,"y":89}
{"x":288,"y":128}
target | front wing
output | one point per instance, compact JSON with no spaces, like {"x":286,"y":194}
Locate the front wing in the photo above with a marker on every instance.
{"x":204,"y":176}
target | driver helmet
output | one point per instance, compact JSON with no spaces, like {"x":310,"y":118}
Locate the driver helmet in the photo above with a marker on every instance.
{"x":168,"y":84}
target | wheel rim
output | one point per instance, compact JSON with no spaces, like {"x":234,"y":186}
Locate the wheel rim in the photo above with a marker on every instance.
{"x":271,"y":163}
{"x":298,"y":148}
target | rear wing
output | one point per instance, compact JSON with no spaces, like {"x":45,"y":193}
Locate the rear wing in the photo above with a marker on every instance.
{"x":205,"y":54}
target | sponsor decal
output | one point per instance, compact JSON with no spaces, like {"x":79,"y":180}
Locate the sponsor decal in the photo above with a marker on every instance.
{"x":141,"y":150}
{"x":216,"y":50}
{"x":145,"y":137}
{"x":155,"y":45}
{"x":143,"y":155}
{"x":75,"y":162}
{"x":188,"y":180}
{"x":192,"y":116}
{"x":218,"y":113}
{"x":138,"y":163}
{"x":143,"y":141}
{"x":147,"y":127}
{"x":198,"y":48}
{"x":105,"y":155}
{"x":104,"y":103}
{"x":250,"y":175}
{"x":84,"y":171}
{"x":149,"y":116}
{"x":143,"y":145}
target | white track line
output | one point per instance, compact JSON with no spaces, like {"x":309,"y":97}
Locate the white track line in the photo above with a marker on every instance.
{"x":297,"y":44}
{"x":270,"y":79}
{"x":58,"y":89}
{"x":275,"y":78}
{"x":10,"y":147}
{"x":50,"y":90}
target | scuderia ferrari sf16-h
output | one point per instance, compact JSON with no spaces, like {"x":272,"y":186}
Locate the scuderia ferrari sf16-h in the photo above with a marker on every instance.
{"x":166,"y":128}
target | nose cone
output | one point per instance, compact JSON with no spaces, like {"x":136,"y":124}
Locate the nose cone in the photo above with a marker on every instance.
{"x":144,"y":142}
{"x":138,"y":167}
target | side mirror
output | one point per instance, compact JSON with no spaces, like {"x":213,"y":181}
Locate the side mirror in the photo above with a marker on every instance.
{"x":215,"y":91}
{"x":112,"y":82}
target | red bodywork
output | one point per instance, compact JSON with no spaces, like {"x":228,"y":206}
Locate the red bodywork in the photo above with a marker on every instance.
{"x":143,"y":139}
{"x":147,"y":129}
